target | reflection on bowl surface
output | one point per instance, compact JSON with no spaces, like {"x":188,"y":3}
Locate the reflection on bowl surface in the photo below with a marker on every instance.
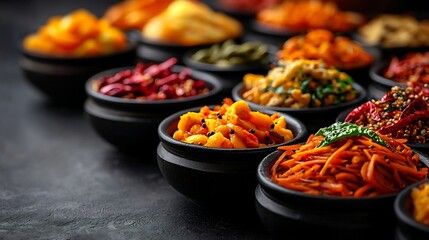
{"x":130,"y":124}
{"x":408,"y":227}
{"x":214,"y":177}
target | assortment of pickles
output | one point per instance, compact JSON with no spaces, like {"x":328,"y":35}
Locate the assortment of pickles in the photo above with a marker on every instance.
{"x":230,"y":53}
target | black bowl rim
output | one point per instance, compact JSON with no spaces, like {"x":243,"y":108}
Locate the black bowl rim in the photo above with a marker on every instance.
{"x":399,"y":49}
{"x":399,"y":210}
{"x":143,"y":40}
{"x":165,"y":123}
{"x":266,"y":182}
{"x":217,"y":6}
{"x":246,"y":67}
{"x":211,"y":79}
{"x":343,"y":114}
{"x":362,"y":96}
{"x":277,"y":31}
{"x":132,"y":46}
{"x":374,"y":73}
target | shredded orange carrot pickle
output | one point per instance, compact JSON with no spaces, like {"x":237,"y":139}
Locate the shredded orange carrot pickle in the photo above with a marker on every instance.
{"x":351,"y":167}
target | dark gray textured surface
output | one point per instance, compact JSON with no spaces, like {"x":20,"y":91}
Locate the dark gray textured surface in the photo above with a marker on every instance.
{"x":59,"y":180}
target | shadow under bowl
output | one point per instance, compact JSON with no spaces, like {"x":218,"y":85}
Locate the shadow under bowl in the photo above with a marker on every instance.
{"x":408,"y":228}
{"x":313,"y":118}
{"x":214,"y":177}
{"x":424,"y":148}
{"x":305,"y":216}
{"x":62,"y":79}
{"x":131,"y":125}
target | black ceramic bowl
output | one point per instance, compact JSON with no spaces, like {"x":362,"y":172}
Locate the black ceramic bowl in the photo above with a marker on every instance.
{"x":376,"y":74}
{"x":244,"y":16}
{"x":131,"y":125}
{"x":291,"y":214}
{"x":424,"y":148}
{"x":230,"y":75}
{"x":408,"y":227}
{"x":313,"y":118}
{"x":63,"y":79}
{"x":214,"y":177}
{"x":157,"y":51}
{"x":270,"y":34}
{"x":387,"y":52}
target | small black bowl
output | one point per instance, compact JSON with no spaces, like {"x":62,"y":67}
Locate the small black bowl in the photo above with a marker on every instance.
{"x":408,"y":228}
{"x":131,"y":125}
{"x":298,"y":215}
{"x":313,"y":118}
{"x":270,"y":34}
{"x":424,"y":148}
{"x":387,"y":52}
{"x":376,"y":74}
{"x":244,"y":16}
{"x":157,"y":51}
{"x":229,"y":75}
{"x":214,"y":177}
{"x":62,"y":79}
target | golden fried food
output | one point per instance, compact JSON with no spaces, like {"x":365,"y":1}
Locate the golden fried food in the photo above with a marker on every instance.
{"x":191,"y":23}
{"x":336,"y":51}
{"x":395,"y":30}
{"x":78,"y":34}
{"x":305,"y":15}
{"x":134,"y":14}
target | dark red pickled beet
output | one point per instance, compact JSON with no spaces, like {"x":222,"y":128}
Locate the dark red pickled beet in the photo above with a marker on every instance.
{"x":152,"y":82}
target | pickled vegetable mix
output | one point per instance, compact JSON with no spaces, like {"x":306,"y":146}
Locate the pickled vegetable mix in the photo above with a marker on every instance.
{"x":151,"y":82}
{"x":230,"y":53}
{"x":348,"y":161}
{"x":300,"y":83}
{"x":77,"y":34}
{"x":232,"y":125}
{"x":413,"y":67}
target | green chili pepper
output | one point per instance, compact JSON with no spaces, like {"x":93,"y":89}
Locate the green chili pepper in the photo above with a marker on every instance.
{"x":342,"y":130}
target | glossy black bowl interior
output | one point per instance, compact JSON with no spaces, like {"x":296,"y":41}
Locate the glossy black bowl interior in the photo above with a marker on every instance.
{"x":131,"y":125}
{"x":63,"y":78}
{"x":408,"y":227}
{"x":423,"y":148}
{"x":305,"y":216}
{"x":313,"y":118}
{"x":214,"y":177}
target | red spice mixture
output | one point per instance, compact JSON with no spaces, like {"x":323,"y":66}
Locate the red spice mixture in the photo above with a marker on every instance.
{"x":402,"y":113}
{"x":151,"y":82}
{"x":413,"y":67}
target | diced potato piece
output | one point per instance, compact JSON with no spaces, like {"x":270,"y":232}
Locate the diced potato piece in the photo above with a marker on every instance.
{"x":219,"y":141}
{"x":189,"y":119}
{"x":198,"y":139}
